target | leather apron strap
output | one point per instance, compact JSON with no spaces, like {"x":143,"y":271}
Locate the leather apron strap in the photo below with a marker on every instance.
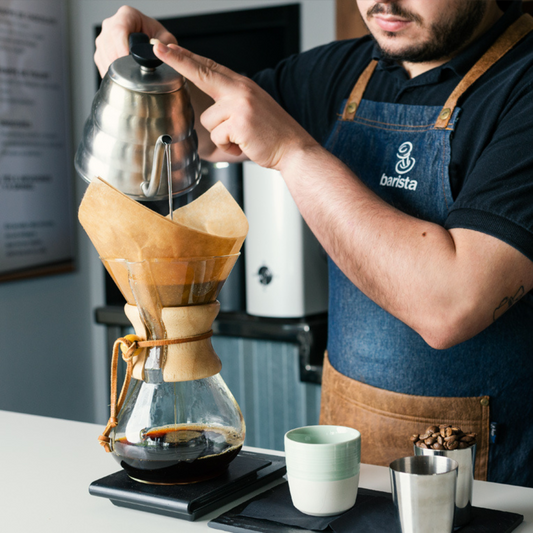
{"x":357,"y":92}
{"x":512,"y":36}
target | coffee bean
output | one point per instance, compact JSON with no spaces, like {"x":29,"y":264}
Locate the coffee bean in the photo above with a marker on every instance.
{"x":444,"y":437}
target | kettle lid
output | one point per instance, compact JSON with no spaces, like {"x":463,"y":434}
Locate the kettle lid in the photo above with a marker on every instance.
{"x":142,"y":71}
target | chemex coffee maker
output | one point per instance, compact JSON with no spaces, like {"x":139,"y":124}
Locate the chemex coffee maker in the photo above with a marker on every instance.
{"x":174,"y":421}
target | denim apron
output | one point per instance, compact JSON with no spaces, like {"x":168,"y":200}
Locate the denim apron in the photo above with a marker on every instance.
{"x":402,"y":153}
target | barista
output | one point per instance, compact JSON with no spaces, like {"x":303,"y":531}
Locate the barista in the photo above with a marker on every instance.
{"x":409,"y":155}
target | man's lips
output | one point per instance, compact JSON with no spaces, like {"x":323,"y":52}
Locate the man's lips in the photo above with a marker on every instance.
{"x":391,"y":24}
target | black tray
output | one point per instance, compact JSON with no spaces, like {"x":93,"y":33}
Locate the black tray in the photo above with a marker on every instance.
{"x":246,"y":473}
{"x":483,"y":520}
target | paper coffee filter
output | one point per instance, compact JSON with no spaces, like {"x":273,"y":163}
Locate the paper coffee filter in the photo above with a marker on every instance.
{"x":198,"y":247}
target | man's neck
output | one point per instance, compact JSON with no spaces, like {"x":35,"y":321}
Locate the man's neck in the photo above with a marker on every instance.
{"x":492,"y":15}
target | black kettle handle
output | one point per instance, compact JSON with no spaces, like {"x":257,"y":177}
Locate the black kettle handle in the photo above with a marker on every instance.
{"x":143,"y":51}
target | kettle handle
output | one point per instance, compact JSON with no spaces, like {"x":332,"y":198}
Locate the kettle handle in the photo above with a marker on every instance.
{"x":143,"y":51}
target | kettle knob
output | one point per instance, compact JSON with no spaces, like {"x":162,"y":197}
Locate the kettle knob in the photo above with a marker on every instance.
{"x":142,"y":51}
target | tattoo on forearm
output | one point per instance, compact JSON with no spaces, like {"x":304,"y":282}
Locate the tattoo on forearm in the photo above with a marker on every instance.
{"x":507,"y":303}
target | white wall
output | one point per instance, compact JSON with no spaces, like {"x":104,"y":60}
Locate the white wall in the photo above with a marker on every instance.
{"x":53,"y":354}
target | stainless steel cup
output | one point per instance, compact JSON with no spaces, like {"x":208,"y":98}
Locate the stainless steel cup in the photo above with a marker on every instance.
{"x":423,"y":492}
{"x":465,"y":479}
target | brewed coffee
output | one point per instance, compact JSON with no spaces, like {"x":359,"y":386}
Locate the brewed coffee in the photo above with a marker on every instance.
{"x":178,"y":454}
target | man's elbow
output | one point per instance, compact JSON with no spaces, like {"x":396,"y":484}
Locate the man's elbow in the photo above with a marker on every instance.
{"x":439,"y":341}
{"x":450,"y":329}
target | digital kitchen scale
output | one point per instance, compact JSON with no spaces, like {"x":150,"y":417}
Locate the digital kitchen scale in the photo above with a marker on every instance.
{"x":249,"y":471}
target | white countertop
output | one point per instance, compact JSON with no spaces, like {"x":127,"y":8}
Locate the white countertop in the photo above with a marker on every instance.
{"x":47,"y":466}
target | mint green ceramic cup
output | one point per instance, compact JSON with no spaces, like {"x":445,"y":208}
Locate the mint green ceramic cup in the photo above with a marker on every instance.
{"x":323,"y":465}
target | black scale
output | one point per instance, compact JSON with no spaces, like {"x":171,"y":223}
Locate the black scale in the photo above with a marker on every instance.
{"x":249,"y":471}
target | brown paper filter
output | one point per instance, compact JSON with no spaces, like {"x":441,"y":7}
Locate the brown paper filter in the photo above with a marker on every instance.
{"x":187,"y":259}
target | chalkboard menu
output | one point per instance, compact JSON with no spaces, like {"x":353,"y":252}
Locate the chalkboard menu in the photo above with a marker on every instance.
{"x":36,"y":218}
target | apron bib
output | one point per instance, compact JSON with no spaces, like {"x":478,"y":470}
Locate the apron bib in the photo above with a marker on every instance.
{"x":402,"y":153}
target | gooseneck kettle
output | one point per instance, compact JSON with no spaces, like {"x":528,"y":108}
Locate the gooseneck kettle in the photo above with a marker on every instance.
{"x":140,"y":134}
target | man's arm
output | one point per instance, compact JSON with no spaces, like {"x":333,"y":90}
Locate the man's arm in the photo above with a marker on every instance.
{"x":446,"y":285}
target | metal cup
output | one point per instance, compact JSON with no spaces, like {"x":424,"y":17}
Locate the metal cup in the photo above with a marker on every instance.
{"x":423,"y":492}
{"x":465,"y":479}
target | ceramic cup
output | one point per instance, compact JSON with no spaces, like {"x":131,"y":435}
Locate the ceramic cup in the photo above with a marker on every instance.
{"x":323,"y":465}
{"x":423,"y":492}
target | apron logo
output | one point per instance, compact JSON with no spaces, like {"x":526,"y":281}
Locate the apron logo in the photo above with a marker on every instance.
{"x":406,"y":162}
{"x":404,"y":165}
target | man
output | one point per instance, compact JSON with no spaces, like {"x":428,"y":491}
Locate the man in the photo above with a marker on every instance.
{"x":410,"y":157}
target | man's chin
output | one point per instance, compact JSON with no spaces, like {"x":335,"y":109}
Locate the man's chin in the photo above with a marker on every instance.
{"x":396,"y":48}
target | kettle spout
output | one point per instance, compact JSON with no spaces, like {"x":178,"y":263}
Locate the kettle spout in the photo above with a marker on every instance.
{"x":150,"y":188}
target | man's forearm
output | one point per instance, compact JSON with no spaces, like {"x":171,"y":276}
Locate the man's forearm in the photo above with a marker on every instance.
{"x":412,"y":268}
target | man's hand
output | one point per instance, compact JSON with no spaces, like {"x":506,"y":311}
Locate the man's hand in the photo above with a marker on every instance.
{"x":112,"y":42}
{"x":244,"y":121}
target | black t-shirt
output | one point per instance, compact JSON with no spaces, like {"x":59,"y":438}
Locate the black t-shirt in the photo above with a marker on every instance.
{"x":491,"y":168}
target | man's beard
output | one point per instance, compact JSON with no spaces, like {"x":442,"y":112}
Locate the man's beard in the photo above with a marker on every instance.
{"x":447,"y":35}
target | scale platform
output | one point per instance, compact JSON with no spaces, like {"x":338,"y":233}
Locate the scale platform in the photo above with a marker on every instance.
{"x":247,"y":472}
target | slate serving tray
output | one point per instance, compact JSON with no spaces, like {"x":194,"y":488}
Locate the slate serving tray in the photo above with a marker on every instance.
{"x":246,"y":473}
{"x":364,"y":517}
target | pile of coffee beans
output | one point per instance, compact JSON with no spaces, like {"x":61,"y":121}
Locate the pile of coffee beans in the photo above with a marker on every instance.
{"x":444,"y":437}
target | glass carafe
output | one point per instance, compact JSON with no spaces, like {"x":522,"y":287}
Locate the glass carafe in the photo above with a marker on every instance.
{"x":178,"y":422}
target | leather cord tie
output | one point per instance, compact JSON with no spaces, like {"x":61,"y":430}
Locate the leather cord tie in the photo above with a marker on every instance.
{"x":131,"y":346}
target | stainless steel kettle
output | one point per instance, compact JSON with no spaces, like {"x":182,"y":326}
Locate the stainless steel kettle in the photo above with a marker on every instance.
{"x":141,"y":117}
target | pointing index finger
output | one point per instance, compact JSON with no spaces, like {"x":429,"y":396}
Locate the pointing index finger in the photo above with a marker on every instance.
{"x":208,"y":76}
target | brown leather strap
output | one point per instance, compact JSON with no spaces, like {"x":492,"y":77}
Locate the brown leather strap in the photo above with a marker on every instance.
{"x":515,"y":33}
{"x":357,"y":93}
{"x":132,"y":349}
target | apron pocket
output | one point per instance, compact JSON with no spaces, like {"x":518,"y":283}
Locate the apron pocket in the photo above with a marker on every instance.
{"x":386,"y":420}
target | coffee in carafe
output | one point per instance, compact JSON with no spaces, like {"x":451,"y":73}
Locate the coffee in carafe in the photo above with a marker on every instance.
{"x":200,"y":453}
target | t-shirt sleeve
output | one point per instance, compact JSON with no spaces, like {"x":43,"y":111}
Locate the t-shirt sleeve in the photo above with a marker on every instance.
{"x":497,"y":195}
